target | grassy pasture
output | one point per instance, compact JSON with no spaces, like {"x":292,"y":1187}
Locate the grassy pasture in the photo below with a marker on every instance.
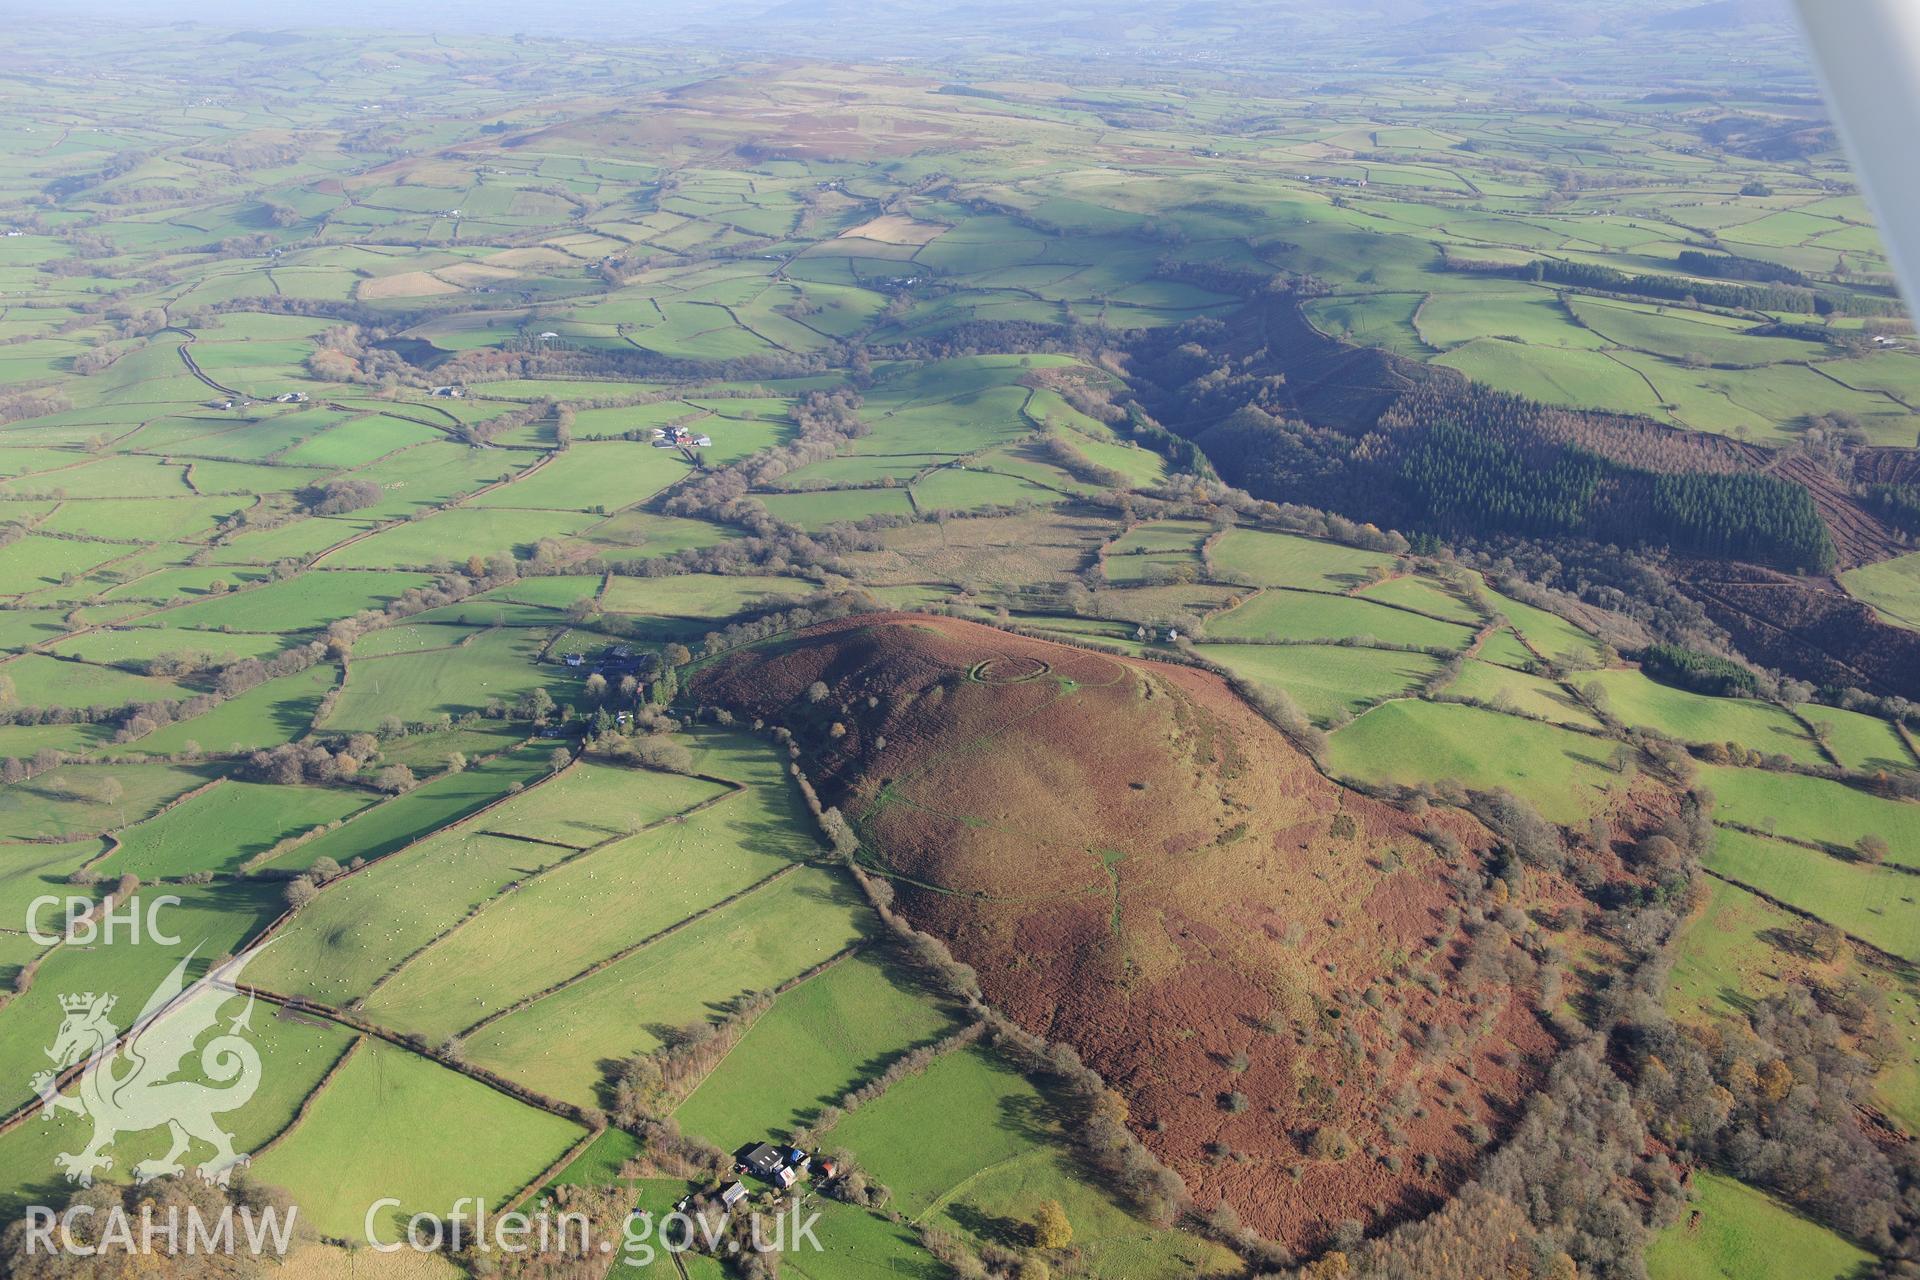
{"x":33,"y":563}
{"x":554,"y":591}
{"x":297,"y":539}
{"x":600,"y":1164}
{"x":1692,"y":717}
{"x":1561,"y":773}
{"x":561,"y":1043}
{"x":208,"y":921}
{"x":496,"y":663}
{"x":23,"y":740}
{"x":1797,"y":807}
{"x":1424,"y":595}
{"x":1747,"y":1235}
{"x":592,"y":802}
{"x":817,"y":510}
{"x":222,"y":827}
{"x":359,"y":441}
{"x":1371,"y":320}
{"x":1264,"y":559}
{"x":394,"y":1124}
{"x":700,"y":595}
{"x":30,"y":871}
{"x":1531,"y":695}
{"x":1874,"y":903}
{"x":1553,"y":375}
{"x":1280,"y":614}
{"x":1892,"y":587}
{"x":1549,"y":633}
{"x":264,"y":716}
{"x":77,"y":799}
{"x":40,"y":680}
{"x":142,"y":519}
{"x":1528,"y":315}
{"x":411,"y":637}
{"x":589,"y":476}
{"x":378,"y":831}
{"x":971,"y":1142}
{"x":135,"y":645}
{"x":641,"y":535}
{"x":350,"y":938}
{"x":861,"y":1244}
{"x":818,"y":1040}
{"x":429,"y":753}
{"x":449,"y":537}
{"x":294,"y":1057}
{"x":1726,"y":956}
{"x":304,"y":604}
{"x":1325,"y":680}
{"x":1859,"y":741}
{"x":548,"y":929}
{"x":1503,"y":647}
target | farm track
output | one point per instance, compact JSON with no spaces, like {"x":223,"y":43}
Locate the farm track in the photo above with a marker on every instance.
{"x":193,"y":367}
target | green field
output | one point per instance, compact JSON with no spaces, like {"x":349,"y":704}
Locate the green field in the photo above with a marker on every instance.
{"x":1281,"y":560}
{"x":1506,"y":689}
{"x":496,"y":663}
{"x":391,"y":1124}
{"x":1325,"y":680}
{"x":404,"y":818}
{"x":1279,"y":614}
{"x":348,"y":358}
{"x":79,"y":799}
{"x":294,"y":1057}
{"x":1562,"y":774}
{"x":814,"y":1043}
{"x":1892,"y":587}
{"x":1814,"y":810}
{"x":926,"y":1139}
{"x":304,"y":605}
{"x":1872,"y":903}
{"x":224,"y":826}
{"x":1746,"y":1235}
{"x":1691,"y":717}
{"x":559,"y":1044}
{"x":209,"y":921}
{"x":559,"y":924}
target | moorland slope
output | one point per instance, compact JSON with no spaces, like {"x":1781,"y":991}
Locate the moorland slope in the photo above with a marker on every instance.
{"x":1138,"y":864}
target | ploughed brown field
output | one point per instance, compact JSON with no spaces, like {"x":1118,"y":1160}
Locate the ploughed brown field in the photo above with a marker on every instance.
{"x":1266,"y":965}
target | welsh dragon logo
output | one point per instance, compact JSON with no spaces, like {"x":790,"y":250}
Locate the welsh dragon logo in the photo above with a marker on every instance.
{"x":131,"y":1083}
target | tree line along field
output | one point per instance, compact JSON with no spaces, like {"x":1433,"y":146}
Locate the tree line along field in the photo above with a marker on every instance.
{"x":326,"y":446}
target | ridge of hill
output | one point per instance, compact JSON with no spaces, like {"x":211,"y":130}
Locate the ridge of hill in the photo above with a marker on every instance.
{"x":1138,"y":864}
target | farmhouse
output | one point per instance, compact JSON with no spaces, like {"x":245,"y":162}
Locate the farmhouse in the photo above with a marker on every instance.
{"x":764,"y":1160}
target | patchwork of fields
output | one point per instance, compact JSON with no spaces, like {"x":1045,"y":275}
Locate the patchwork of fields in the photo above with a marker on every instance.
{"x":392,"y":499}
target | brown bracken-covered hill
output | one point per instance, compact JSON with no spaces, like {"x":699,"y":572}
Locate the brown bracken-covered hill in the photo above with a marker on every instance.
{"x":1307,"y":997}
